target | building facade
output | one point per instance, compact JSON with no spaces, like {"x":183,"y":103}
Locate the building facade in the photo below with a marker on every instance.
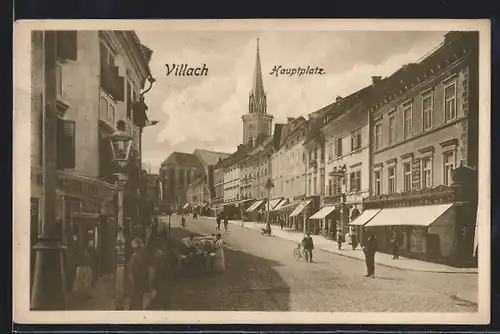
{"x":347,"y":163}
{"x":176,"y":173}
{"x":99,"y":76}
{"x":218,"y":195}
{"x":424,"y":138}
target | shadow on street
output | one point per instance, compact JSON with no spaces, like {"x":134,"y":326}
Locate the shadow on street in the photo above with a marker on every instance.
{"x":250,"y":283}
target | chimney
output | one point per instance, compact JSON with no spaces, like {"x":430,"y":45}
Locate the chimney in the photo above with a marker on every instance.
{"x":289,"y":120}
{"x":375,"y":80}
{"x":338,"y":98}
{"x":240,"y":146}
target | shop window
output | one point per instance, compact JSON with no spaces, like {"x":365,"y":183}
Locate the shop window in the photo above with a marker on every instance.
{"x":378,"y":182}
{"x":407,"y":176}
{"x":450,"y":101}
{"x":448,"y":166}
{"x":427,"y":107}
{"x":391,"y":174}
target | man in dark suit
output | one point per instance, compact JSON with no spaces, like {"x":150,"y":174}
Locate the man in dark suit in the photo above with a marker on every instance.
{"x":370,"y":247}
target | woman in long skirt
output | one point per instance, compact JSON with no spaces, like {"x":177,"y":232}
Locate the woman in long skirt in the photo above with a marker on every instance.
{"x":220,"y":261}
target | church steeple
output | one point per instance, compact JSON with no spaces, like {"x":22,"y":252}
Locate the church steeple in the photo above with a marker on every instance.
{"x":257,"y":101}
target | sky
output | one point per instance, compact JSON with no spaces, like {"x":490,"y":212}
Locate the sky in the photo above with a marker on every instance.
{"x":204,"y":112}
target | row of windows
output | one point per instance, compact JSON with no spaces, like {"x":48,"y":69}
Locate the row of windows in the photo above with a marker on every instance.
{"x":426,"y":175}
{"x":428,"y":106}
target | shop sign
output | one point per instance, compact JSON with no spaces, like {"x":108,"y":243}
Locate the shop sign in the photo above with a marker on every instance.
{"x":333,"y":200}
{"x":415,"y":177}
{"x":77,"y":187}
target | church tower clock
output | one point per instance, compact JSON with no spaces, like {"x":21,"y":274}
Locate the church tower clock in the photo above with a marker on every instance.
{"x":257,"y":121}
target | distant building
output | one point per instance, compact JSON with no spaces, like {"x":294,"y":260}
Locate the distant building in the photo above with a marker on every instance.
{"x":176,"y":172}
{"x":187,"y":178}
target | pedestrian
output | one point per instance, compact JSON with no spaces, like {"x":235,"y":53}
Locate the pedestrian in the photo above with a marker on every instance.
{"x":370,"y":248}
{"x":218,"y":223}
{"x":162,"y":279}
{"x":138,"y":274}
{"x":395,"y":245}
{"x":220,"y":260}
{"x":339,"y":239}
{"x":308,"y":245}
{"x":354,"y":239}
{"x":282,"y":223}
{"x":82,"y":285}
{"x":226,"y":223}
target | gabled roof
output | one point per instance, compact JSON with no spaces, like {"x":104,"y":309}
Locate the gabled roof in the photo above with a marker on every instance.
{"x":208,"y":158}
{"x":182,"y":159}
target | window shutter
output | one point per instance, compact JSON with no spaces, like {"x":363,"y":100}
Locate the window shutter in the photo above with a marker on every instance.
{"x":68,"y":144}
{"x":60,"y":142}
{"x":67,"y":44}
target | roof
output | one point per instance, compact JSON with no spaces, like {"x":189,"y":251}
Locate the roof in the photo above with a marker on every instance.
{"x":182,"y":159}
{"x":208,"y":158}
{"x":258,"y":86}
{"x":237,"y":156}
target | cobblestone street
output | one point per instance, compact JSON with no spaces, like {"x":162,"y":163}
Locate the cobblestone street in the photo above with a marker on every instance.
{"x":262,"y":275}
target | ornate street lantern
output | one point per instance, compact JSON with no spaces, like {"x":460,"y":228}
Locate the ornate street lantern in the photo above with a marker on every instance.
{"x":121,"y":142}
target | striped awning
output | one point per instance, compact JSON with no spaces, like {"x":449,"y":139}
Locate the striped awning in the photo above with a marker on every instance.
{"x":365,"y":217}
{"x":280,"y":204}
{"x":273,"y":203}
{"x":289,"y":207}
{"x":409,"y":216}
{"x":255,"y":206}
{"x":323,"y":212}
{"x":298,"y":210}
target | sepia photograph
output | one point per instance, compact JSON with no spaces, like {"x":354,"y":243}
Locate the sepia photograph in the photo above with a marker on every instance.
{"x":251,"y":171}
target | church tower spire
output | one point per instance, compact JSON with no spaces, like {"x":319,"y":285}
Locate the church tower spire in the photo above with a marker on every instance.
{"x":257,"y":124}
{"x":257,"y":100}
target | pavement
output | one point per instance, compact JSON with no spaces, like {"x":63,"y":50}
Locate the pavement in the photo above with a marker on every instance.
{"x":383,"y":259}
{"x":102,"y":297}
{"x":263,"y":275}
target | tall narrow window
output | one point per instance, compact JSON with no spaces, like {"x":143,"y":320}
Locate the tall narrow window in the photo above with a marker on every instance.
{"x":450,"y":101}
{"x":427,"y":106}
{"x":448,"y":166}
{"x":378,"y":182}
{"x":392,"y":129}
{"x":355,"y":181}
{"x":426,"y":172}
{"x":378,"y":136}
{"x":338,"y":144}
{"x":407,"y":176}
{"x":356,"y":140}
{"x":103,"y":108}
{"x":407,"y":114}
{"x":391,"y":171}
{"x":112,"y":113}
{"x":59,"y":81}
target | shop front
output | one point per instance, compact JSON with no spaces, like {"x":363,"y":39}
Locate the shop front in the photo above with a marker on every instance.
{"x":83,"y":206}
{"x":231,"y":211}
{"x":243,"y":206}
{"x":270,"y":207}
{"x":285,"y":210}
{"x":360,"y":219}
{"x":255,"y":211}
{"x":301,"y":214}
{"x":328,"y":218}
